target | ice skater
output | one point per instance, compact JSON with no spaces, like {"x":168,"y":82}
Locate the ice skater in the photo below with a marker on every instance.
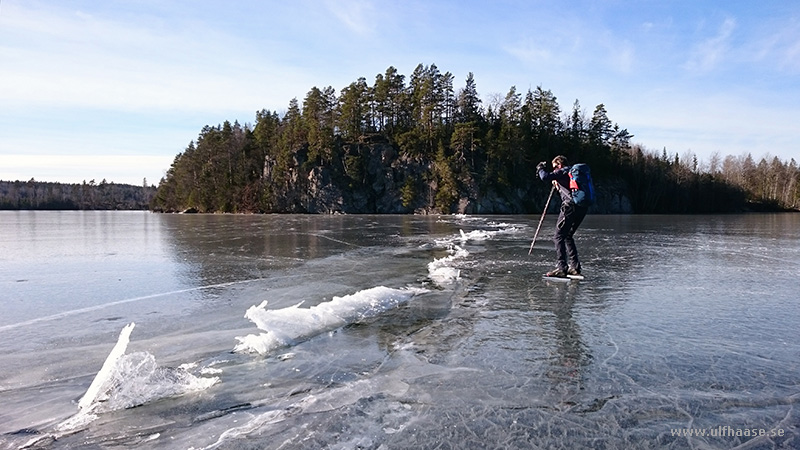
{"x":569,"y":218}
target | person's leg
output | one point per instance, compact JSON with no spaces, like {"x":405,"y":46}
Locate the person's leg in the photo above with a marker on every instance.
{"x":560,"y":238}
{"x":574,"y":266}
{"x":575,"y":216}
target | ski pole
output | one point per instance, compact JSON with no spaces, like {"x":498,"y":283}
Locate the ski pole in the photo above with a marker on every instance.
{"x":542,"y":219}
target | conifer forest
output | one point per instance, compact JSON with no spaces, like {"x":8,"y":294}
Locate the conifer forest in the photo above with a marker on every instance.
{"x":419,"y":144}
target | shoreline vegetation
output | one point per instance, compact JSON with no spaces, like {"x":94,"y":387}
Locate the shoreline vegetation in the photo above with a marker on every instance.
{"x":38,"y":195}
{"x":418,"y":145}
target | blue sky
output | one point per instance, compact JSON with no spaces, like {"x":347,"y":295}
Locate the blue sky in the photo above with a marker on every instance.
{"x":115,"y":89}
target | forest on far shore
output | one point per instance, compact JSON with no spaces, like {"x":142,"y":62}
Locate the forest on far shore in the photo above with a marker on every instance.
{"x":416,"y":144}
{"x":32,"y":194}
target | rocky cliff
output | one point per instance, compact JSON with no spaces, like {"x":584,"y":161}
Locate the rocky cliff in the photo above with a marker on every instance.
{"x":377,"y":177}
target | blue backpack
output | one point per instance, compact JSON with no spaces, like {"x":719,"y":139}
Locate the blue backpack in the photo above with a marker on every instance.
{"x":580,"y":183}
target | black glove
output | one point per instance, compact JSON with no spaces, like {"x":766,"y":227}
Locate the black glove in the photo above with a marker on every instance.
{"x":542,"y":165}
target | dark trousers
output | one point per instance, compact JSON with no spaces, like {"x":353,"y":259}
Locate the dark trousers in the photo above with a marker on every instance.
{"x":569,"y":219}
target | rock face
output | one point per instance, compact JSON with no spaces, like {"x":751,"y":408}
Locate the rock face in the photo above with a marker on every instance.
{"x":324,"y":197}
{"x":612,"y":198}
{"x":376,"y":180}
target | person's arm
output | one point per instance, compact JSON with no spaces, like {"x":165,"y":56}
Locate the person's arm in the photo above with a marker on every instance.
{"x":543,"y":174}
{"x":556,"y":175}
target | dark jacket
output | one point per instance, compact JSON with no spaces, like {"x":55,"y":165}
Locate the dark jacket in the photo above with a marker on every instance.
{"x":561,"y":176}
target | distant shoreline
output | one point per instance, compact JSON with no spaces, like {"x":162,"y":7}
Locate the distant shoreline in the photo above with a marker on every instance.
{"x":53,"y":196}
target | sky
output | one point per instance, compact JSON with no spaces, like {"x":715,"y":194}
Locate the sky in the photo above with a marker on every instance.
{"x":113,"y":90}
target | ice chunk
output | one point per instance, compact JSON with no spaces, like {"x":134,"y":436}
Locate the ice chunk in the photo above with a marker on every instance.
{"x":442,"y":270}
{"x":286,"y":326}
{"x":106,"y":372}
{"x":125,"y":381}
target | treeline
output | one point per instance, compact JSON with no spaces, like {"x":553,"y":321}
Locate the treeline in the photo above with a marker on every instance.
{"x":18,"y":195}
{"x":669,"y":183}
{"x":421,"y":145}
{"x":770,"y":182}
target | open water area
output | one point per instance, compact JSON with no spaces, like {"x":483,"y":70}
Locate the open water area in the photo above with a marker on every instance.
{"x":133,"y":329}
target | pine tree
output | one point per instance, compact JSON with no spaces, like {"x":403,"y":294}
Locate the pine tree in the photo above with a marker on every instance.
{"x":354,"y":109}
{"x":469,"y":102}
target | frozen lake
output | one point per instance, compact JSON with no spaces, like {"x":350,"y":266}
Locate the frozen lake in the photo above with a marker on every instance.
{"x":385,"y":332}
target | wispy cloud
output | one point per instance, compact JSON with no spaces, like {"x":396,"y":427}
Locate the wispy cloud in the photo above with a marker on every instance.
{"x":778,"y":47}
{"x":619,"y":54}
{"x":82,"y":60}
{"x":356,"y":15}
{"x":531,"y":52}
{"x":708,"y":54}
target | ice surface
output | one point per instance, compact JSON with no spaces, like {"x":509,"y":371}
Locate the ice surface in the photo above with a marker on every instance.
{"x":488,"y":355}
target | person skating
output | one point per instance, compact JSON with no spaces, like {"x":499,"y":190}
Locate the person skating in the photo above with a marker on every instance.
{"x":569,"y":218}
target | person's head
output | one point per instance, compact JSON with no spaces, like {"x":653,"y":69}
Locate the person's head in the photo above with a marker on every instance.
{"x":560,"y":161}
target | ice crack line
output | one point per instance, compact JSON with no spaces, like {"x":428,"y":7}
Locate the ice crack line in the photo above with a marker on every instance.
{"x":119,"y":302}
{"x":334,"y":240}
